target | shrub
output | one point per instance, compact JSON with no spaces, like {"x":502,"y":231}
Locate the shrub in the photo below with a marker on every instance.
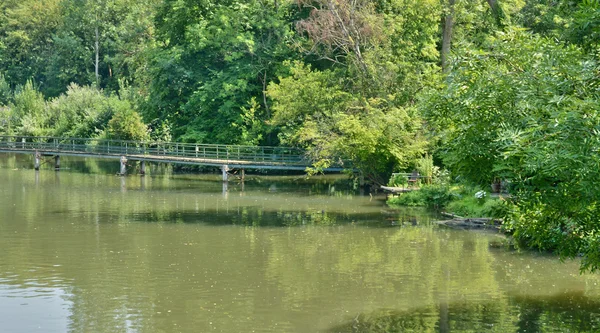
{"x":80,"y":112}
{"x":470,"y":206}
{"x":411,"y":199}
{"x":425,"y":168}
{"x":433,"y":196}
{"x":399,"y":180}
{"x":126,"y":124}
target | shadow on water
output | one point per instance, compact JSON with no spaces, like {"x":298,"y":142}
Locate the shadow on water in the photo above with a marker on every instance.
{"x":256,"y":216}
{"x":566,"y":312}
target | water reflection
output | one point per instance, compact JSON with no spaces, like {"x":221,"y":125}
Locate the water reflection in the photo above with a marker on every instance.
{"x":566,"y":312}
{"x":172,"y":254}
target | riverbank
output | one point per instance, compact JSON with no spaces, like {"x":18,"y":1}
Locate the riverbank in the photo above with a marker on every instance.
{"x":459,"y":200}
{"x":472,"y":224}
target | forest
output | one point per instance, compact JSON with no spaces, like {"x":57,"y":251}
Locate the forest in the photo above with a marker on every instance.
{"x":486,"y":91}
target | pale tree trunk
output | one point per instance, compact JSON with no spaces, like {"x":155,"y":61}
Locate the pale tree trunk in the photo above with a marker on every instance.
{"x":447,"y":34}
{"x":264,"y":82}
{"x":97,"y":50}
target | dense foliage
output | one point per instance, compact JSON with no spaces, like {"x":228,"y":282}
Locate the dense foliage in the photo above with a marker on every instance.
{"x":495,"y":90}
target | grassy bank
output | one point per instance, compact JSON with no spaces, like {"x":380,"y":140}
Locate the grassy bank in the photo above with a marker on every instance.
{"x":459,"y":200}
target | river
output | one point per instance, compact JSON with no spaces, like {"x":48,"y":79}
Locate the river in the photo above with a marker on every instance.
{"x":94,"y":252}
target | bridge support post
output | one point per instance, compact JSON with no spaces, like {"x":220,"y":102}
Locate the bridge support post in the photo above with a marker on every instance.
{"x":224,"y":170}
{"x":143,"y":168}
{"x":225,"y":189}
{"x":57,"y":162}
{"x":123,"y":170}
{"x":36,"y":165}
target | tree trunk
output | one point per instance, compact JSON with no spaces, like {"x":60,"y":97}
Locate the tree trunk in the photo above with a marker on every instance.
{"x":447,"y":34}
{"x":496,"y":12}
{"x":493,"y":4}
{"x":264,"y":82}
{"x":97,"y":50}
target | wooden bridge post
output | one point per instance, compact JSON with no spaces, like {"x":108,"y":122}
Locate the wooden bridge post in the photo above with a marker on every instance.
{"x":224,"y":170}
{"x":36,"y":165}
{"x":56,"y":162}
{"x":143,"y":168}
{"x":123,"y":170}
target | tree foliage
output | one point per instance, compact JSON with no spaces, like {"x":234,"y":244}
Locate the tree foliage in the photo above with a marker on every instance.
{"x":525,"y":109}
{"x":339,"y":128}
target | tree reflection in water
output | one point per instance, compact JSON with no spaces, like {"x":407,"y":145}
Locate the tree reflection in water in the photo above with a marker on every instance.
{"x":567,"y":312}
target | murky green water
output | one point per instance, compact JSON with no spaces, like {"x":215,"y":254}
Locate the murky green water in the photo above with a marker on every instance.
{"x":99,"y":253}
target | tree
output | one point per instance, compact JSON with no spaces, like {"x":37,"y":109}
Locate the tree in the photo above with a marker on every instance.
{"x":25,"y":30}
{"x":374,"y":135}
{"x":212,"y":59}
{"x":28,"y":111}
{"x":81,"y":112}
{"x":525,"y":109}
{"x":340,"y":28}
{"x":5,"y":91}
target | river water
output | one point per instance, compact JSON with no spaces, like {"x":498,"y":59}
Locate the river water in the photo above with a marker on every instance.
{"x":93,"y":252}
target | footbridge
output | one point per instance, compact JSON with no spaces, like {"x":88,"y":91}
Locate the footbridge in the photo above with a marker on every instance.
{"x":224,"y":156}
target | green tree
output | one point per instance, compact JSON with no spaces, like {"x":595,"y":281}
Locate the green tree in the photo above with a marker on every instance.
{"x":126,"y":124}
{"x":29,"y":111}
{"x":81,"y":112}
{"x":25,"y":38}
{"x":212,"y":59}
{"x":525,"y":109}
{"x":374,"y":135}
{"x":5,"y":91}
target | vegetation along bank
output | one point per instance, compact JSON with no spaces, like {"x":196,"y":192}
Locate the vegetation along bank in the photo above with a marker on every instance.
{"x":484,"y":92}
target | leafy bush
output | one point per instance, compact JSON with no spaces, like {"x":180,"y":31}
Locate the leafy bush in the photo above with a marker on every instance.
{"x":28,"y":112}
{"x":398,"y":180}
{"x":126,"y":124}
{"x":81,"y":112}
{"x":434,"y":196}
{"x":470,"y":206}
{"x":460,"y":200}
{"x":411,"y":199}
{"x":425,"y":168}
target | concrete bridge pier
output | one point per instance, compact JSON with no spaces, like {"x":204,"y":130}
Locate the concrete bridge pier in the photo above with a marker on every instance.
{"x":57,"y":162}
{"x":225,"y":190}
{"x":38,"y":157}
{"x":224,"y":170}
{"x":123,"y":169}
{"x":142,"y":168}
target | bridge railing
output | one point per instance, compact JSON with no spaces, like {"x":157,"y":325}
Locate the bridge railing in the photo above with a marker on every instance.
{"x":260,"y":154}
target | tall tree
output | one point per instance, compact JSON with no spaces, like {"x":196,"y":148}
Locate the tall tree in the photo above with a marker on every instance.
{"x":448,"y":26}
{"x":213,"y":58}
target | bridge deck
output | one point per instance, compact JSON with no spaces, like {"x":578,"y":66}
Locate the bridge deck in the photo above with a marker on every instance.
{"x":234,"y":156}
